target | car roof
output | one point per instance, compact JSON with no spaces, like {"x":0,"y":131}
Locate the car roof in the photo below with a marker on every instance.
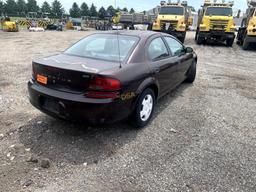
{"x":138,"y":33}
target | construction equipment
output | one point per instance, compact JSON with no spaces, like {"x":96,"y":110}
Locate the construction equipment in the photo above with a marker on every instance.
{"x":215,"y":23}
{"x":69,"y":25}
{"x":247,"y":32}
{"x":8,"y":25}
{"x":173,"y":19}
{"x":129,"y":20}
{"x":34,"y":19}
{"x":103,"y":25}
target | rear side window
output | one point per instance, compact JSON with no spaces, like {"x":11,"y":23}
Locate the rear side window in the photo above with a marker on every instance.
{"x":175,"y":46}
{"x":157,"y":49}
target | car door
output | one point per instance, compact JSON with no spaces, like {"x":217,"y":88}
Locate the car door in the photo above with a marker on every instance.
{"x":184,"y":59}
{"x":161,"y":64}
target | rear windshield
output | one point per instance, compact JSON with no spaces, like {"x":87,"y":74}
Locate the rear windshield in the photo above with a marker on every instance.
{"x":223,"y":11}
{"x":104,"y":47}
{"x":171,"y":11}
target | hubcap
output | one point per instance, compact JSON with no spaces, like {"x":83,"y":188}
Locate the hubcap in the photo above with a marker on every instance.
{"x":146,"y":107}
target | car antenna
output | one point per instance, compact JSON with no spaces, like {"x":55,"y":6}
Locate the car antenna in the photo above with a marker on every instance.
{"x":118,"y":45}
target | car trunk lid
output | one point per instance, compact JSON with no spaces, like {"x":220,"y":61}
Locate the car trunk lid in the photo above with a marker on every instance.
{"x":68,"y":73}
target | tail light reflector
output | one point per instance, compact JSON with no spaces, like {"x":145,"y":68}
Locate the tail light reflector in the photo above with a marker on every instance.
{"x":102,"y":95}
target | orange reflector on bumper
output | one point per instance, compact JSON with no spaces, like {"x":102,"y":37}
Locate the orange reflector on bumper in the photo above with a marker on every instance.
{"x":41,"y":79}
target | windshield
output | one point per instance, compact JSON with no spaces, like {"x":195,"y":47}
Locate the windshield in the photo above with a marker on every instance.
{"x":104,"y":47}
{"x":223,"y":11}
{"x":171,"y":11}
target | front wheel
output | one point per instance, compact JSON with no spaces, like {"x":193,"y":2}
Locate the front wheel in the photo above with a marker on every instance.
{"x":199,"y":40}
{"x":230,"y":42}
{"x":245,"y":44}
{"x":144,"y":108}
{"x":182,"y":38}
{"x":191,"y":73}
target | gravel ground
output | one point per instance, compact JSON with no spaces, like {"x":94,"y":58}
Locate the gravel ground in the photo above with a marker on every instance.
{"x":202,"y":138}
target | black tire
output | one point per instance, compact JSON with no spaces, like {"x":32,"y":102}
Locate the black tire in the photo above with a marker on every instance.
{"x":191,"y":73}
{"x":199,"y":40}
{"x":182,"y":39}
{"x":230,"y":42}
{"x":136,"y":116}
{"x":245,"y":44}
{"x":150,"y":27}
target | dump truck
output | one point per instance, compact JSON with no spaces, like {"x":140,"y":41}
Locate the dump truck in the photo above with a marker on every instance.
{"x":216,"y":23}
{"x":129,"y":20}
{"x":247,"y":32}
{"x":8,"y":25}
{"x":173,"y":19}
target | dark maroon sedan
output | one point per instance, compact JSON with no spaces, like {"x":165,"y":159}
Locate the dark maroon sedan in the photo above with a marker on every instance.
{"x":110,"y":76}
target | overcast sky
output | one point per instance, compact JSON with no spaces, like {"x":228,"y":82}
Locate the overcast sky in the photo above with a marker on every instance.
{"x":138,"y":5}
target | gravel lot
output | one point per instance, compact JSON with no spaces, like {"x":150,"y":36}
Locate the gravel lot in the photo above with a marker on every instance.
{"x":202,"y":138}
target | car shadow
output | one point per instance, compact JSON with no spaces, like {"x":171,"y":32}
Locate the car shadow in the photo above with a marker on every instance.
{"x":72,"y":143}
{"x":75,"y":143}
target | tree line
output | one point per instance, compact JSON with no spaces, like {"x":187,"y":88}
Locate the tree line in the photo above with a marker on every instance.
{"x":55,"y":9}
{"x":83,"y":10}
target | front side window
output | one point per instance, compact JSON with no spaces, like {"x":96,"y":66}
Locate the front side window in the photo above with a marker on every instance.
{"x":223,"y":11}
{"x":104,"y":47}
{"x":175,"y":47}
{"x":171,"y":11}
{"x":157,"y":49}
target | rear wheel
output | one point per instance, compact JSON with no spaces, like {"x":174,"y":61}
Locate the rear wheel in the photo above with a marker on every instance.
{"x":144,"y":108}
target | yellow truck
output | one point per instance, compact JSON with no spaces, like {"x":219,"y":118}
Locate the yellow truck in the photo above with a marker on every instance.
{"x":247,"y":32}
{"x":216,"y":23}
{"x":8,"y":25}
{"x":173,"y":19}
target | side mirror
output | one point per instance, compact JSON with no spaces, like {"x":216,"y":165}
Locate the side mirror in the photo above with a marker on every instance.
{"x":189,"y":50}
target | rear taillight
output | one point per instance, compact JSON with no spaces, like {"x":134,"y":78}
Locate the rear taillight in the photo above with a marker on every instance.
{"x":104,"y":84}
{"x":104,"y":88}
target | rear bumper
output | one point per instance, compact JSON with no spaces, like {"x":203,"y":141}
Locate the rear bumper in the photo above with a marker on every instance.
{"x":76,"y":107}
